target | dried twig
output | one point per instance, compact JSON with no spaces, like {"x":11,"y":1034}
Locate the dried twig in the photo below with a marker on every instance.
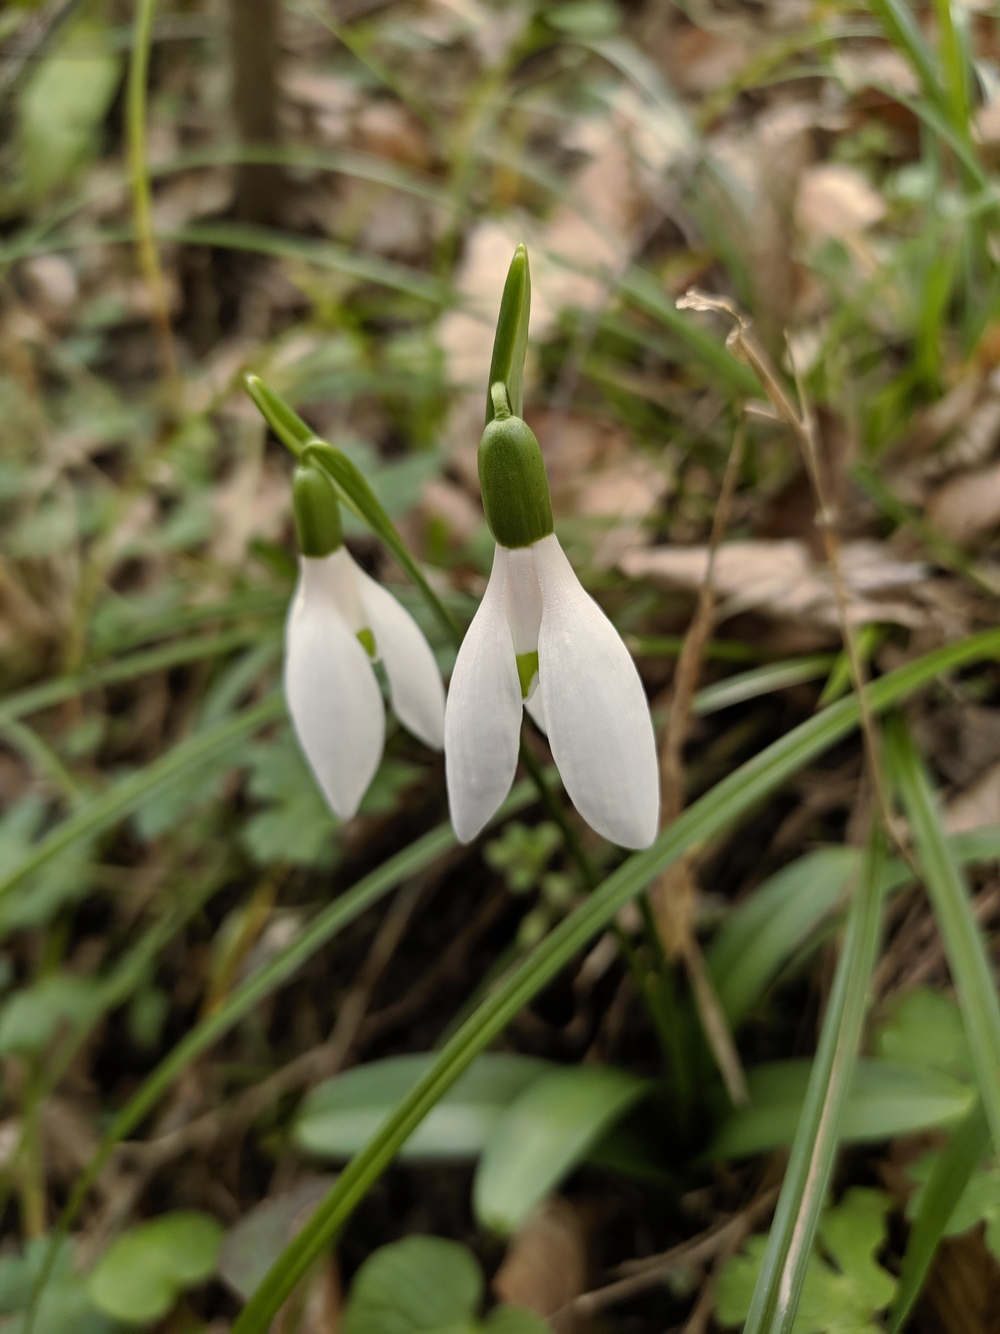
{"x":672,"y":895}
{"x":744,"y":343}
{"x":725,"y":1237}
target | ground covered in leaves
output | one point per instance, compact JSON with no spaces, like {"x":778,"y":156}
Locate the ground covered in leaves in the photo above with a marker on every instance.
{"x":162,"y":844}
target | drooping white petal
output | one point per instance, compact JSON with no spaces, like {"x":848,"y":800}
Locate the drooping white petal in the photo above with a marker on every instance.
{"x":414,"y":680}
{"x":523,"y":599}
{"x":482,"y":719}
{"x":330,"y":687}
{"x":535,"y":707}
{"x":341,"y":579}
{"x":596,"y":713}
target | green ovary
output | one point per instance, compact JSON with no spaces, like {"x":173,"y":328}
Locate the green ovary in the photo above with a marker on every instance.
{"x":527,"y":666}
{"x":367,"y":640}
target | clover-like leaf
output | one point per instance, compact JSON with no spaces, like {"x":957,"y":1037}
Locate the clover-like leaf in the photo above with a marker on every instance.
{"x":845,"y":1287}
{"x":141,"y":1274}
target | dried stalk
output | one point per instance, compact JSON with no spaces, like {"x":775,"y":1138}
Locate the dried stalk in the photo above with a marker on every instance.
{"x":672,"y":895}
{"x":744,"y":343}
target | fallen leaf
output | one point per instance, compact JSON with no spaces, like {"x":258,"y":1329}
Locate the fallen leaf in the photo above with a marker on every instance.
{"x":967,"y":505}
{"x":835,"y":200}
{"x":781,"y":579}
{"x":546,"y":1262}
{"x":977,"y":806}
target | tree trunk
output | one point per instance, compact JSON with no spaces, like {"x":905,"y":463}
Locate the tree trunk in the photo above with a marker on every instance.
{"x":253,"y":35}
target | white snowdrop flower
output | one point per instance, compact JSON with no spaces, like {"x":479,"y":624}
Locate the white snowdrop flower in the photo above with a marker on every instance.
{"x":339,"y":624}
{"x":540,"y":641}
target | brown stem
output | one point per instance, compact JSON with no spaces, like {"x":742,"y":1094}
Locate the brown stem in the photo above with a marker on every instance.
{"x":253,"y":39}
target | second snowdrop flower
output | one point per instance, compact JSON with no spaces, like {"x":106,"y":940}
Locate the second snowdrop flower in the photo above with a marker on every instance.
{"x":540,"y":641}
{"x":340,"y":623}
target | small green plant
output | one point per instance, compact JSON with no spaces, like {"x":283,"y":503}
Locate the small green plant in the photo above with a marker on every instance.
{"x":140,"y":1276}
{"x":844,"y":1288}
{"x":424,"y":1285}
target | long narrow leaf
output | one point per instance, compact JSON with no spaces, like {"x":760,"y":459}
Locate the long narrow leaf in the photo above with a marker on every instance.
{"x":963,"y":941}
{"x":123,"y":797}
{"x":904,"y":32}
{"x":35,"y":698}
{"x":814,"y":1148}
{"x":726,"y":803}
{"x":948,"y":1180}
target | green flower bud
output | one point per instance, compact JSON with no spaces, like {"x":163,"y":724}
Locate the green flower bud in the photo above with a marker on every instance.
{"x":317,"y":513}
{"x":512,"y":478}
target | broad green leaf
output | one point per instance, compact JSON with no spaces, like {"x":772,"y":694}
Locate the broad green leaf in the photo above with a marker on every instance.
{"x":763,"y":933}
{"x":924,"y":1028}
{"x":337,"y":1117}
{"x":543,"y":1135}
{"x":978,"y":1202}
{"x":842,"y":1297}
{"x":31,"y":1018}
{"x":143,"y":1272}
{"x":415,"y":1285}
{"x":510,"y":342}
{"x":62,"y":104}
{"x":885,"y":1099}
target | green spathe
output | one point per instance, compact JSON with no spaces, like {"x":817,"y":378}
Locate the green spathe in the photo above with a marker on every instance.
{"x":317,"y":513}
{"x":512,"y":478}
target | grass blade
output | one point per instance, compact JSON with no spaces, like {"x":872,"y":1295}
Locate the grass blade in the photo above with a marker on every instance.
{"x":814,"y":1149}
{"x":121,"y":798}
{"x":721,"y":807}
{"x":950,"y":1176}
{"x":964,"y":945}
{"x":904,"y":32}
{"x":35,"y":698}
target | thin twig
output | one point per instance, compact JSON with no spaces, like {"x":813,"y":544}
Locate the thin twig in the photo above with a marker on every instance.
{"x":673,"y":893}
{"x":744,"y":343}
{"x":656,"y":1269}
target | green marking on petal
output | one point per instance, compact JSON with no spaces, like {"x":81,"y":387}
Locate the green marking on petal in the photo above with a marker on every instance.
{"x":527,"y":666}
{"x":367,"y":640}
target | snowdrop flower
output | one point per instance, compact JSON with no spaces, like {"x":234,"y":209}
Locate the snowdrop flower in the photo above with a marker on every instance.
{"x":539,"y":640}
{"x":340,"y":623}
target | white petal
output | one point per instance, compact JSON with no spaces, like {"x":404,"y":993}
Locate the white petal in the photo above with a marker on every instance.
{"x":523,"y":600}
{"x":482,"y":719}
{"x":535,"y":706}
{"x":414,"y":680}
{"x":598,"y":721}
{"x":341,"y":580}
{"x":331,"y":690}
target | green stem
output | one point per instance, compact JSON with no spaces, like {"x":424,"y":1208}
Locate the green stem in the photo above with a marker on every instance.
{"x":142,"y":194}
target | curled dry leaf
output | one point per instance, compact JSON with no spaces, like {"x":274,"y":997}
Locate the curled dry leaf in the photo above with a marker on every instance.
{"x":546,"y":1262}
{"x":781,"y":579}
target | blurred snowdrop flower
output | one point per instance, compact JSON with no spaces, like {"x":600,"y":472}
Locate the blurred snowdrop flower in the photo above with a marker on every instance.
{"x":339,"y":624}
{"x":540,"y":641}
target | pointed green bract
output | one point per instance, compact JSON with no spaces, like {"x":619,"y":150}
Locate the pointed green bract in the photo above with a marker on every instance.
{"x":511,"y":339}
{"x":317,"y":513}
{"x":513,"y":480}
{"x":286,"y":424}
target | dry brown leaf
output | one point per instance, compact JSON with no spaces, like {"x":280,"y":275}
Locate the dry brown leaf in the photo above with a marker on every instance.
{"x":196,"y":194}
{"x":967,"y":505}
{"x":623,"y":496}
{"x":546,"y":1262}
{"x":835,"y":200}
{"x":252,"y":502}
{"x":453,"y":506}
{"x":781,"y":579}
{"x":977,"y":806}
